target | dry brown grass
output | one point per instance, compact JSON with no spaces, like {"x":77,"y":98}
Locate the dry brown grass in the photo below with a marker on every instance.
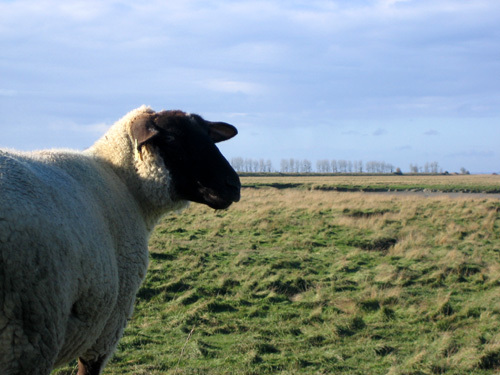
{"x":300,"y":281}
{"x":380,"y":180}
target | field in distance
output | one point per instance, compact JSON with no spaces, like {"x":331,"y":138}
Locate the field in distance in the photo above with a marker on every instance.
{"x":299,"y":281}
{"x":385,"y":182}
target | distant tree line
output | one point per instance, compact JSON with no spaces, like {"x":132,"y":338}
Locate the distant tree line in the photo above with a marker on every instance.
{"x":328,"y":166}
{"x":295,"y":166}
{"x":427,"y":168}
{"x":251,"y":165}
{"x":356,"y":166}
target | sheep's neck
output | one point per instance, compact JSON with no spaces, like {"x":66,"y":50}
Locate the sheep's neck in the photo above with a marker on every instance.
{"x":146,"y":177}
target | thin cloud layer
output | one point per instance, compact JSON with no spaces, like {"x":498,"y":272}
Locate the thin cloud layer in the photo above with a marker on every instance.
{"x":397,"y":65}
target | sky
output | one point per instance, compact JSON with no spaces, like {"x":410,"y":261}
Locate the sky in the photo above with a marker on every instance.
{"x":397,"y":81}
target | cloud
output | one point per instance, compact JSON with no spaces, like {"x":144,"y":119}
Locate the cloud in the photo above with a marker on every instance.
{"x":368,"y":64}
{"x":74,"y":128}
{"x":379,"y":132}
{"x":431,"y":132}
{"x":231,"y":86}
{"x":404,"y":148}
{"x":4,"y":92}
{"x":350,"y":132}
{"x":473,"y":154}
{"x":389,"y":3}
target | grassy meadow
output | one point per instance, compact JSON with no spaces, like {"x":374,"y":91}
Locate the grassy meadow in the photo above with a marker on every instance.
{"x":301,"y":281}
{"x":385,"y":182}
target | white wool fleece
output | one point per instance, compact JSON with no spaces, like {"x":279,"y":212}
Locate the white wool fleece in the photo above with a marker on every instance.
{"x":74,"y":228}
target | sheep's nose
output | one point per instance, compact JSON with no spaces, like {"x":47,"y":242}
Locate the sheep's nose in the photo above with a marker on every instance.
{"x":234,"y":182}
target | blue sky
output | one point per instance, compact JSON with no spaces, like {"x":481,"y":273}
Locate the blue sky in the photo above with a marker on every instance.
{"x":399,"y":81}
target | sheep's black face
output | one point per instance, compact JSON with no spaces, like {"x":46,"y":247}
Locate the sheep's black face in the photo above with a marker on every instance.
{"x":199,"y":171}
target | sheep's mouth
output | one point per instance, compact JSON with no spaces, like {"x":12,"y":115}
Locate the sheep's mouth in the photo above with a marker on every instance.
{"x":218,"y":200}
{"x":220,"y":203}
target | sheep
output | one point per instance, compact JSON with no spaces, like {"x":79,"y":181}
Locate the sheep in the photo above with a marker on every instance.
{"x":74,"y":230}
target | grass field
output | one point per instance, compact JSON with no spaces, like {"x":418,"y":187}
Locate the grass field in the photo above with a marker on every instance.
{"x":301,"y":281}
{"x":384,"y":182}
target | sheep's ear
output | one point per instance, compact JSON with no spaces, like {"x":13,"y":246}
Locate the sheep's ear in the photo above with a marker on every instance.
{"x":143,"y":129}
{"x":220,"y":131}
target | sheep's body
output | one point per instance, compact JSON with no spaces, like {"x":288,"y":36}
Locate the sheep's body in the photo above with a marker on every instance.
{"x":74,"y":229}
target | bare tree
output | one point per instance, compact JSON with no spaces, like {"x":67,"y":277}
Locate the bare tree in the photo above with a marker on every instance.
{"x":269,"y":166}
{"x":434,"y":167}
{"x":237,"y":164}
{"x":342,"y":166}
{"x":334,"y":166}
{"x":306,"y":166}
{"x":323,"y":166}
{"x":285,"y":165}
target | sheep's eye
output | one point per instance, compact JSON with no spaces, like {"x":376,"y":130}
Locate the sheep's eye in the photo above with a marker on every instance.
{"x":168,"y":137}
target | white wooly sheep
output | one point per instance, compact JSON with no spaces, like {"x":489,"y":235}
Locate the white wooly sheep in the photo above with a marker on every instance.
{"x":74,"y":229}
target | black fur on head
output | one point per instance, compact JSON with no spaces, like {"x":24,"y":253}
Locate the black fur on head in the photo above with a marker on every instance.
{"x":186,"y":143}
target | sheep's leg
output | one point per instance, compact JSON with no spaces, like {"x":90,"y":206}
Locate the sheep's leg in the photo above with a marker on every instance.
{"x":90,"y":367}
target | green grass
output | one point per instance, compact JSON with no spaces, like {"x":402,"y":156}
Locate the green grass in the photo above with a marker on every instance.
{"x":376,"y":183}
{"x":312,"y":282}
